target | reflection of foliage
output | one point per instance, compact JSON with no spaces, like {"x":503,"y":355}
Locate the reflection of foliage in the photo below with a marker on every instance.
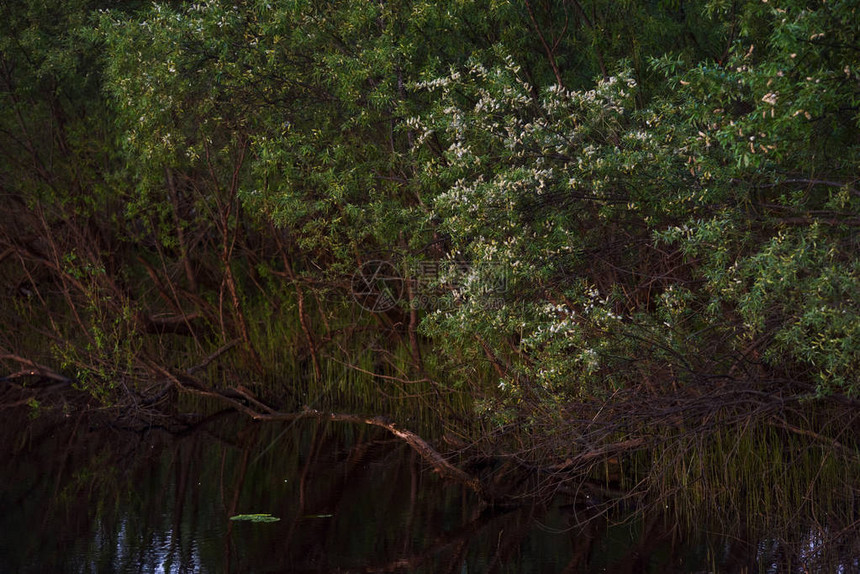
{"x":168,"y":497}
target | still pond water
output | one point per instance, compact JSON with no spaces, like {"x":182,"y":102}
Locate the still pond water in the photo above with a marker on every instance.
{"x":77,"y":496}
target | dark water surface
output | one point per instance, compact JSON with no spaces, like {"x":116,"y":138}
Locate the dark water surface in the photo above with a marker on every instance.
{"x":77,"y":496}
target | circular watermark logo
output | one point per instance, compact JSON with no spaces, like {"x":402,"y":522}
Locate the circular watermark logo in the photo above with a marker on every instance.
{"x":377,"y":286}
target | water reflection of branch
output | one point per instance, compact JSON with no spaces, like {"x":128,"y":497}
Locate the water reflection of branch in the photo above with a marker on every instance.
{"x":311,"y":459}
{"x":238,"y":482}
{"x":456,"y":540}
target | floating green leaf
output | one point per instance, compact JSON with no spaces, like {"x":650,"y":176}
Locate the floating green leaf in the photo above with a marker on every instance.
{"x":255,"y":517}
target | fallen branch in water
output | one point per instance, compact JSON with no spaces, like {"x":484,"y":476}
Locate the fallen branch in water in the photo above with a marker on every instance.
{"x":439,"y":463}
{"x":243,"y":401}
{"x":596,"y":438}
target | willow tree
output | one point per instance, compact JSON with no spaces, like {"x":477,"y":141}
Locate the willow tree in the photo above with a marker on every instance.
{"x":707,"y":237}
{"x":281,"y":131}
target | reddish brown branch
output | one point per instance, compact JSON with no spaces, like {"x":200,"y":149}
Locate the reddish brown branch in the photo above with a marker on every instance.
{"x":549,"y":51}
{"x":33,"y":368}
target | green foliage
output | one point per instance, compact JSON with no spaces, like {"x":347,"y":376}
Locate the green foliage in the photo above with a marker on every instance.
{"x":668,"y":190}
{"x":746,"y":170}
{"x":35,"y":408}
{"x":310,"y":92}
{"x":778,"y":128}
{"x":536,"y":187}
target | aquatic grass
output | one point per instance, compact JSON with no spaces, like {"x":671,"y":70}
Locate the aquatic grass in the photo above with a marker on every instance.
{"x":755,"y":476}
{"x":361,"y":370}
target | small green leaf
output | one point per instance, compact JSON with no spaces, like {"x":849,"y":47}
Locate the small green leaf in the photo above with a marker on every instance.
{"x":255,"y":517}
